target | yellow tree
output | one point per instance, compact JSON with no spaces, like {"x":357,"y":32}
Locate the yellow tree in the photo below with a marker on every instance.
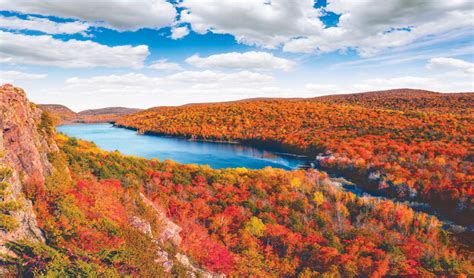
{"x":255,"y":226}
{"x":318,"y":198}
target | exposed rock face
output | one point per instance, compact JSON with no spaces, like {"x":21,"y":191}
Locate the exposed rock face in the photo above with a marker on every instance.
{"x":170,"y":233}
{"x":25,"y":149}
{"x":143,"y":226}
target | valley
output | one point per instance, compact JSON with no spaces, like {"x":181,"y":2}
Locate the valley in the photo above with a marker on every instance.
{"x":405,"y":152}
{"x":104,"y":212}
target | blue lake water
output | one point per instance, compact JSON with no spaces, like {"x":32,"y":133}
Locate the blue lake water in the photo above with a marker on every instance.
{"x":216,"y":155}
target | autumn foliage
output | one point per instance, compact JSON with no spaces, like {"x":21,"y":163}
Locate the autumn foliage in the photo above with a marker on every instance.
{"x":254,"y":223}
{"x":412,"y":145}
{"x":260,"y":223}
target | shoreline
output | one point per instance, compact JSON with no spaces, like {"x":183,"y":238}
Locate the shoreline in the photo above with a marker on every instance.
{"x":256,"y":143}
{"x":360,"y":181}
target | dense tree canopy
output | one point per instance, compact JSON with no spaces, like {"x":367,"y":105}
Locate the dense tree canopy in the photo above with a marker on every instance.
{"x":422,"y":150}
{"x":100,"y":212}
{"x":266,"y":222}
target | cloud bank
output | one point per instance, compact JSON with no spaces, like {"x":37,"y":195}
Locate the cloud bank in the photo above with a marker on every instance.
{"x":246,"y":60}
{"x":47,"y":51}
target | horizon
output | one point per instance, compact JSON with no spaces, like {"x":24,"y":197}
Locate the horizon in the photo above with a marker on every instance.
{"x":169,"y":53}
{"x":253,"y":99}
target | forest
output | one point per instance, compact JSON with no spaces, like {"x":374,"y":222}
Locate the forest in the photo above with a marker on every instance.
{"x":100,"y":213}
{"x":238,"y":222}
{"x":405,"y":144}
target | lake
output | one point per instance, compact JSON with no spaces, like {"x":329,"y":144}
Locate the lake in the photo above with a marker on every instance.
{"x":216,"y":155}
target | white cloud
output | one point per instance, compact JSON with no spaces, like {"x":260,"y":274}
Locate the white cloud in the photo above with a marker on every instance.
{"x":141,"y":90}
{"x":47,"y":51}
{"x":451,"y":63}
{"x":364,"y":25}
{"x":15,"y":76}
{"x":261,"y":22}
{"x":164,"y":65}
{"x":413,"y":52}
{"x":241,"y":78}
{"x":42,"y":24}
{"x":366,"y":16}
{"x":117,"y":14}
{"x":179,"y":32}
{"x":320,"y":88}
{"x":119,"y":84}
{"x":183,"y":79}
{"x":370,"y":27}
{"x":433,"y":83}
{"x":246,"y":60}
{"x":413,"y":82}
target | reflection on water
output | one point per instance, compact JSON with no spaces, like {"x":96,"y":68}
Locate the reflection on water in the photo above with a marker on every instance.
{"x":216,"y":155}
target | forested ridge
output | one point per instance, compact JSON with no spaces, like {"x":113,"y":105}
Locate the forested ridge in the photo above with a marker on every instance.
{"x":410,"y":145}
{"x":64,"y":115}
{"x":261,"y":223}
{"x":406,"y":100}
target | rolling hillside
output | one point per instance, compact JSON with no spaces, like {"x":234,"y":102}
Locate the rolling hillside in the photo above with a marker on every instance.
{"x":61,"y":112}
{"x":119,"y":111}
{"x":420,"y":148}
{"x":65,"y":115}
{"x":406,"y":100}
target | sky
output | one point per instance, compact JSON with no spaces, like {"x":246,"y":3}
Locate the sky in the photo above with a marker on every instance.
{"x":145,"y":53}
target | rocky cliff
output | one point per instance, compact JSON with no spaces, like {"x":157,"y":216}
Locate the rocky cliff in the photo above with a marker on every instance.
{"x":27,"y":151}
{"x":170,"y":232}
{"x":25,"y":142}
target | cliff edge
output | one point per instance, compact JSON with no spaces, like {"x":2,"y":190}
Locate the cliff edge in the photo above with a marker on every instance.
{"x":25,"y":141}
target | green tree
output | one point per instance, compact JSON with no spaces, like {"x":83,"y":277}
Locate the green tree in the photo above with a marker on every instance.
{"x":7,"y":221}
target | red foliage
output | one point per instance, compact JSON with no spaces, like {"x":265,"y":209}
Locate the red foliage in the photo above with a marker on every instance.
{"x":419,"y":150}
{"x":215,"y":256}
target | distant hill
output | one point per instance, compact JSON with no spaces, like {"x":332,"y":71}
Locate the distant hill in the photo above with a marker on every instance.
{"x":405,"y":99}
{"x":394,"y":93}
{"x":396,"y":99}
{"x":65,"y":115}
{"x":109,"y":110}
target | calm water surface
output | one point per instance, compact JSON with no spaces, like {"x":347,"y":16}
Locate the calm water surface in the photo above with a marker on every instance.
{"x":216,"y":155}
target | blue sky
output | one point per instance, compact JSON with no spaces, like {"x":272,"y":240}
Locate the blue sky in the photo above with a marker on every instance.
{"x":148,"y":53}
